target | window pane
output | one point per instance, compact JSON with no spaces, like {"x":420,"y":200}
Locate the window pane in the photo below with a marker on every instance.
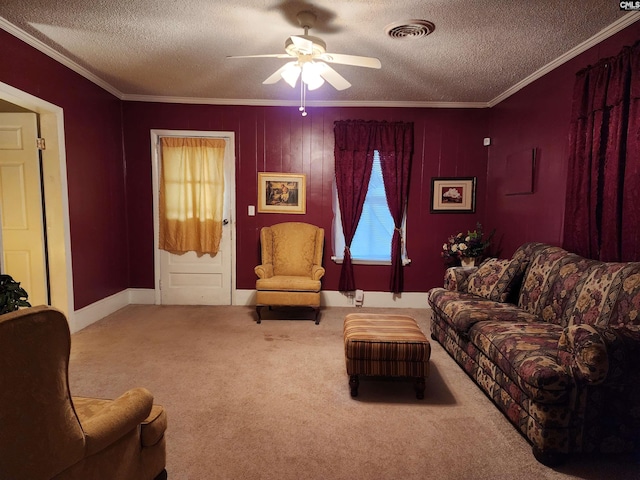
{"x":372,"y":240}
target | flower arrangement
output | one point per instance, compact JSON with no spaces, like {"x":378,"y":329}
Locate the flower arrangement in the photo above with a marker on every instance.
{"x":469,"y":245}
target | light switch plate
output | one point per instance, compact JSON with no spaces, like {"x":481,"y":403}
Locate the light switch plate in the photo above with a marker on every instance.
{"x":252,"y":210}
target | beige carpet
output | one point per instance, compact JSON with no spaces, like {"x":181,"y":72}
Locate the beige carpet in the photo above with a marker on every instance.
{"x":271,"y":401}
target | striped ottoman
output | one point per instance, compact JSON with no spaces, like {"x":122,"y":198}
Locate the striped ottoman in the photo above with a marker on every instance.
{"x":385,"y":345}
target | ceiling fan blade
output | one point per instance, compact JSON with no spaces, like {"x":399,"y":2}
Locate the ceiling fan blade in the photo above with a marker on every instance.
{"x":270,"y":55}
{"x":334,"y":78}
{"x":277,"y":75}
{"x":355,"y":60}
{"x":302,"y":44}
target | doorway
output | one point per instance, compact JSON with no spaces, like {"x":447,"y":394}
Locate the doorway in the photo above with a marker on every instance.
{"x":23,"y":235}
{"x":191,"y":279}
{"x":54,"y":193}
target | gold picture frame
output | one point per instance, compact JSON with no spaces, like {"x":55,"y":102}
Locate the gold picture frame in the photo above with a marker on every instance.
{"x":453,"y":194}
{"x":282,"y":192}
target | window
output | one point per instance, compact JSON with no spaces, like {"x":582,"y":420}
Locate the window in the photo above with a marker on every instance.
{"x":372,"y":241}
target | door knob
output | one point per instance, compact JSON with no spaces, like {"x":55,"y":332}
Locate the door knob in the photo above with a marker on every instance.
{"x":225,"y":222}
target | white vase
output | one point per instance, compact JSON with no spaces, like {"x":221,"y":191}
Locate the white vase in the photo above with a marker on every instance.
{"x":468,"y":262}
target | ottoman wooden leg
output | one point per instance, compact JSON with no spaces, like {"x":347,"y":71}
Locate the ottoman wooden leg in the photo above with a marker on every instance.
{"x":353,"y":383}
{"x":420,"y":384}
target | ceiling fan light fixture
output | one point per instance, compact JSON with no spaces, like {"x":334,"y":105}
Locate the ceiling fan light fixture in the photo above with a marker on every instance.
{"x":310,"y":62}
{"x":314,"y":82}
{"x":291,"y":74}
{"x":311,"y":75}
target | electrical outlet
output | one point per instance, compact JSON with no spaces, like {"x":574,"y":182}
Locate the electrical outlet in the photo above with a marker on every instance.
{"x":359,"y":298}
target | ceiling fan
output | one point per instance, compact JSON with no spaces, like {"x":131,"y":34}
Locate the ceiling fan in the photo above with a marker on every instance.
{"x":309,"y":60}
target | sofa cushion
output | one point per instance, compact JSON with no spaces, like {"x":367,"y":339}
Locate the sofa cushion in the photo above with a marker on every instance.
{"x":496,"y":279}
{"x":457,"y":278}
{"x":547,"y":278}
{"x":610,"y":295}
{"x":463,"y":310}
{"x":529,"y":250}
{"x":528,"y":354}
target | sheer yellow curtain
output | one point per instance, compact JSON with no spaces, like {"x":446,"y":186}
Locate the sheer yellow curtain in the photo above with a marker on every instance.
{"x":191,"y":194}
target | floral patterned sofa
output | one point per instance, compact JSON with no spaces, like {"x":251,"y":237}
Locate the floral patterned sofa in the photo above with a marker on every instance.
{"x":554,"y":340}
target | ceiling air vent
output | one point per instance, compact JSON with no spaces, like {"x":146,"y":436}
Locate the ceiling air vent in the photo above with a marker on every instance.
{"x":410,"y":28}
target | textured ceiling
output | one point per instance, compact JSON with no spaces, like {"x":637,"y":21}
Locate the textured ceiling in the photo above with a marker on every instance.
{"x":175,"y":50}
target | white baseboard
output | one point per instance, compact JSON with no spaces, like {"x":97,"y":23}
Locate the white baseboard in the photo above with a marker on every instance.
{"x":143,"y":296}
{"x":92,"y":313}
{"x":338,"y":299}
{"x":244,"y":297}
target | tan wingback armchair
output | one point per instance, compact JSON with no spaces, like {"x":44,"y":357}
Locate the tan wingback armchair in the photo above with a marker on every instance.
{"x":47,"y":434}
{"x":291,"y":266}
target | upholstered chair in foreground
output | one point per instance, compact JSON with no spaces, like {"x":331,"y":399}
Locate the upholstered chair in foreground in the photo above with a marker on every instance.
{"x":47,"y":434}
{"x":291,"y":266}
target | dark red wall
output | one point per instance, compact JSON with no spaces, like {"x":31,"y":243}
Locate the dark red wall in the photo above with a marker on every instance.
{"x":279,"y":139}
{"x":95,"y":168}
{"x":111,"y":207}
{"x":538,"y":117}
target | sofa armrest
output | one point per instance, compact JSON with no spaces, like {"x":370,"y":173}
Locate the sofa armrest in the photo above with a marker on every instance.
{"x":317,"y":272}
{"x":457,"y":278}
{"x":599,"y":354}
{"x":116,"y":419}
{"x":264,"y":271}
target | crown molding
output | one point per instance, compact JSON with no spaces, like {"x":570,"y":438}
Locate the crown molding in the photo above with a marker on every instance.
{"x":602,"y":35}
{"x":58,"y":57}
{"x":296,"y":103}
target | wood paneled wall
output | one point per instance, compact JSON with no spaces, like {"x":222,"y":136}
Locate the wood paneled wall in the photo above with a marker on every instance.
{"x":95,"y":166}
{"x":538,"y":117}
{"x":448,"y":142}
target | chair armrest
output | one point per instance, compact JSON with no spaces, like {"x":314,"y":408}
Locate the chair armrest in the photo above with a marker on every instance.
{"x":317,"y":272}
{"x":600,"y":354}
{"x":457,"y":278}
{"x":117,"y":419}
{"x":264,"y":271}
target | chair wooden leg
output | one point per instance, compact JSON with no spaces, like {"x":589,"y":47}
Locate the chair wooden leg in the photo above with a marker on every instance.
{"x":317,"y":315}
{"x":354,"y":382}
{"x":258,"y":311}
{"x":420,"y":384}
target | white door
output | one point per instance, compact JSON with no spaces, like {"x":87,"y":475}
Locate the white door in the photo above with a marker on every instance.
{"x":23,"y":255}
{"x":189,"y":279}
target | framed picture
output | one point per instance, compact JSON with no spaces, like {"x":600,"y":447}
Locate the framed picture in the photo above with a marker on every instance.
{"x":453,"y":194}
{"x":282,"y":193}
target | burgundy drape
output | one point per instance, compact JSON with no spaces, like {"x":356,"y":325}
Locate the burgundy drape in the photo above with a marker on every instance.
{"x":355,"y":143}
{"x":602,"y":217}
{"x":396,"y":148}
{"x":353,"y":152}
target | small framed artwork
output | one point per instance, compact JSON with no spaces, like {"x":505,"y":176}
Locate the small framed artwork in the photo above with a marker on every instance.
{"x":282,"y":193}
{"x":453,"y":194}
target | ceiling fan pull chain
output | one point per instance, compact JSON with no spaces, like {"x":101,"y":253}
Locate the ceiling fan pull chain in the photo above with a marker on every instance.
{"x":303,"y":98}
